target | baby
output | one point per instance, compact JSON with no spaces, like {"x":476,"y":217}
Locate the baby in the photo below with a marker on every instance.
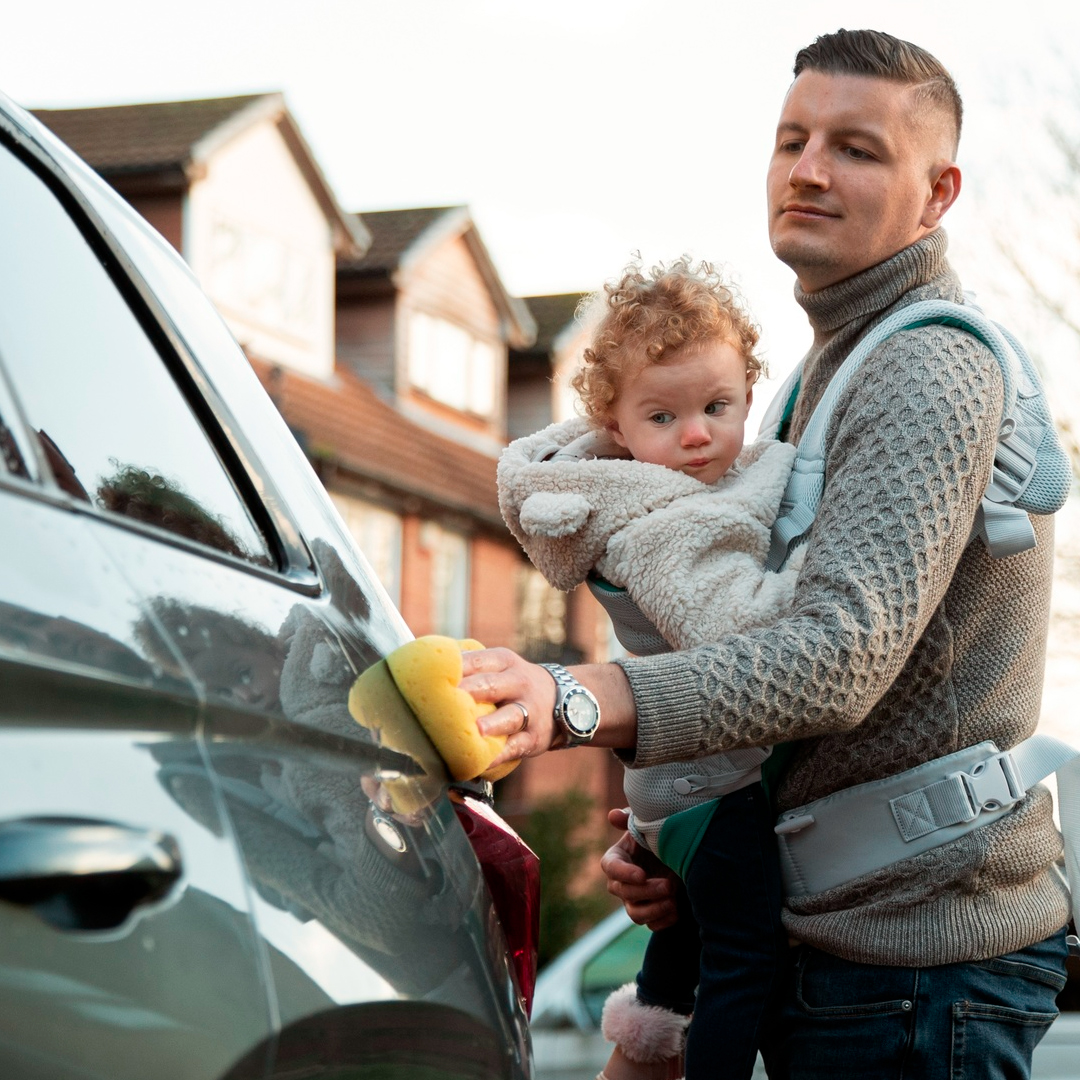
{"x":653,"y":500}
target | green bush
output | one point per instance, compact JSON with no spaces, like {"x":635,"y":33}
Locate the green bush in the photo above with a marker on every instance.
{"x":558,"y":830}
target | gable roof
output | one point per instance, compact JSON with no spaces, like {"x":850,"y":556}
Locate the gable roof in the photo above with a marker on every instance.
{"x":402,"y":238}
{"x":136,"y":138}
{"x":554,"y":315}
{"x":171,"y":142}
{"x":393,"y":233}
{"x":347,"y":422}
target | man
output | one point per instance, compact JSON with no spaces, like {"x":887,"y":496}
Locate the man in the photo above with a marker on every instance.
{"x":906,"y":643}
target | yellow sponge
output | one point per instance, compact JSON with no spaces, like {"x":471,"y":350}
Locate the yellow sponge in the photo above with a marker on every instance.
{"x":427,"y":672}
{"x":376,"y":703}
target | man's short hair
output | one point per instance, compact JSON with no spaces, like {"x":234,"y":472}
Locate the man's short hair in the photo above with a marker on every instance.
{"x":881,"y":56}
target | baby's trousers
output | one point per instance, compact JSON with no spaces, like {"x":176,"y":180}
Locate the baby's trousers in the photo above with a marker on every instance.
{"x":728,"y":942}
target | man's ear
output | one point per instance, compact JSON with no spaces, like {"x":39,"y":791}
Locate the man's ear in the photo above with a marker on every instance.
{"x":617,"y":435}
{"x":944,"y":189}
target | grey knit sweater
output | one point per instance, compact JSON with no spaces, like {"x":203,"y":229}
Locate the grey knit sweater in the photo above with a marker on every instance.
{"x":904,"y":643}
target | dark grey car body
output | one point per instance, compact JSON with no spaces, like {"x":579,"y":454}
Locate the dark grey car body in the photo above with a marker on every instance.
{"x":195,"y":880}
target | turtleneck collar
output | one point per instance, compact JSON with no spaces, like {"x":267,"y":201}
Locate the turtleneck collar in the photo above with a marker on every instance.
{"x":877,"y":288}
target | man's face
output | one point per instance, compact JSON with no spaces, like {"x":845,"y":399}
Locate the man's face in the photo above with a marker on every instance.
{"x":853,"y":177}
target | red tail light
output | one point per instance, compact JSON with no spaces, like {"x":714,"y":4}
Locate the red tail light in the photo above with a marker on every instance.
{"x":512,"y":873}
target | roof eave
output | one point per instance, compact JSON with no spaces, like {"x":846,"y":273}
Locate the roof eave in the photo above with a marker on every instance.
{"x":396,"y":483}
{"x":517,"y":324}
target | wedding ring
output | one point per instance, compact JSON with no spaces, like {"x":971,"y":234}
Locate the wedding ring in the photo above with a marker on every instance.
{"x":524,"y":716}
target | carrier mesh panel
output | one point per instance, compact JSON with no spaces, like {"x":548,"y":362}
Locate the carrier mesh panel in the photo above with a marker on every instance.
{"x":651,"y":793}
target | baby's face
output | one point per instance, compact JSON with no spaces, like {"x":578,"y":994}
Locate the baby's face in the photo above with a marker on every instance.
{"x":687,"y":413}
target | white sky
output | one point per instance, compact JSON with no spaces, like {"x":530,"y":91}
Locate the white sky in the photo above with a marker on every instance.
{"x":577,"y":130}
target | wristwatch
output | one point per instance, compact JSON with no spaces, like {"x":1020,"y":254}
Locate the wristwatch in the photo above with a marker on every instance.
{"x":577,"y":712}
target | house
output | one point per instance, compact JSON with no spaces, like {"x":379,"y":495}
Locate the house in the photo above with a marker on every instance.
{"x":233,"y":186}
{"x":540,"y":374}
{"x":333,"y":318}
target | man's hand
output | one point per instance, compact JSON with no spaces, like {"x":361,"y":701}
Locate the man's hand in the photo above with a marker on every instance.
{"x":501,"y":677}
{"x":644,"y":885}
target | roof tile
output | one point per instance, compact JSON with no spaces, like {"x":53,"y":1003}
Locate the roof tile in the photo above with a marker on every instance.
{"x":392,"y":233}
{"x":347,"y":420}
{"x":133,"y":138}
{"x":552,"y":314}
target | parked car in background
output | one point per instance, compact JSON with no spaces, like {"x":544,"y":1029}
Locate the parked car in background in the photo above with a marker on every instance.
{"x":208,"y":867}
{"x":572,"y":989}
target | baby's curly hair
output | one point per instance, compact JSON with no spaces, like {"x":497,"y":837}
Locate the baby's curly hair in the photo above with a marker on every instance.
{"x":646,"y":316}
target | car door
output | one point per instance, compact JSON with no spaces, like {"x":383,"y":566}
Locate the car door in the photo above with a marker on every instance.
{"x":376,"y":919}
{"x":374,"y":925}
{"x":127,"y":947}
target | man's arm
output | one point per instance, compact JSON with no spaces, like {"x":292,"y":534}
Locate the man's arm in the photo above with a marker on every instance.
{"x":910,"y":454}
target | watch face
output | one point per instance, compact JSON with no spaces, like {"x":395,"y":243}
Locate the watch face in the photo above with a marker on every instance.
{"x":581,"y":712}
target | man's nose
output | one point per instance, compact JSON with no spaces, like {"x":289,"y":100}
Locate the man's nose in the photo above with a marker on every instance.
{"x":809,"y":168}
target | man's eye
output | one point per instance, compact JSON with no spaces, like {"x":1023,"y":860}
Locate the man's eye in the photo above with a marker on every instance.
{"x":661,"y":418}
{"x":857,"y":154}
{"x":714,"y":408}
{"x":792,"y":146}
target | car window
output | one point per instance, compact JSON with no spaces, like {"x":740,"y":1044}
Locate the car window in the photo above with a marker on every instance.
{"x":93,"y":390}
{"x":14,"y":455}
{"x":613,"y":966}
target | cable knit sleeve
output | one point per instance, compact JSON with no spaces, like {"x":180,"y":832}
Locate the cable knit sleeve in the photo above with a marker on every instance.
{"x":910,"y":448}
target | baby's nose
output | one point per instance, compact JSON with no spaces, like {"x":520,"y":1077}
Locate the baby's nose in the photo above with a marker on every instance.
{"x":695,"y":434}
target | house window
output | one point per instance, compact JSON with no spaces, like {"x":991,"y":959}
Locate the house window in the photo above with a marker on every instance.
{"x":449,"y":553}
{"x":448,"y":364}
{"x":541,"y":619}
{"x":378,"y":532}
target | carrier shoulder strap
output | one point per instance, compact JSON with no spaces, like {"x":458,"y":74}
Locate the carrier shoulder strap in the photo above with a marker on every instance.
{"x":1031,"y":472}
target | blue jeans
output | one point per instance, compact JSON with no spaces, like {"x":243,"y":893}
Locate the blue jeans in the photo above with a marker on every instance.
{"x":972,"y":1021}
{"x":728,"y":942}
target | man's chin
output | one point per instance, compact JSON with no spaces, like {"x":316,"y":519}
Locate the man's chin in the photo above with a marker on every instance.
{"x":810,"y":262}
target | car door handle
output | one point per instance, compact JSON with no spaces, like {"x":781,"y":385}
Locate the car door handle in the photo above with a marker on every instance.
{"x":81,"y":874}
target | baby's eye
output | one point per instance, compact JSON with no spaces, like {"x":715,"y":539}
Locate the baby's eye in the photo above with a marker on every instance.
{"x":714,"y":408}
{"x":661,"y":418}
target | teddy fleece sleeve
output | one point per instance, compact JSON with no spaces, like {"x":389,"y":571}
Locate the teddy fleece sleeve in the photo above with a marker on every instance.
{"x":911,"y":447}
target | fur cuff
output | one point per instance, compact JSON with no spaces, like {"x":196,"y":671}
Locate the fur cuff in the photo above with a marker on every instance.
{"x":644,"y":1033}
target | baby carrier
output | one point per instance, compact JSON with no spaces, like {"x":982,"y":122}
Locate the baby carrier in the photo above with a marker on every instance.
{"x":861,"y":829}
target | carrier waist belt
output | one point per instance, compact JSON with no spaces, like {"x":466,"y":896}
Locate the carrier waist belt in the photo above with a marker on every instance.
{"x":861,"y":829}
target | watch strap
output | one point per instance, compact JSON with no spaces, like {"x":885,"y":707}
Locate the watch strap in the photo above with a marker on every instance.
{"x":565,"y":684}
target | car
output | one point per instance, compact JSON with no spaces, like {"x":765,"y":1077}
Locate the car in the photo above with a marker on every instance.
{"x":572,"y":988}
{"x":209,"y":866}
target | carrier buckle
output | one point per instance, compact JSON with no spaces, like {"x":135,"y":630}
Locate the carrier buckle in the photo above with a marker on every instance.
{"x":993,"y":784}
{"x":1014,"y":465}
{"x":793,"y":823}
